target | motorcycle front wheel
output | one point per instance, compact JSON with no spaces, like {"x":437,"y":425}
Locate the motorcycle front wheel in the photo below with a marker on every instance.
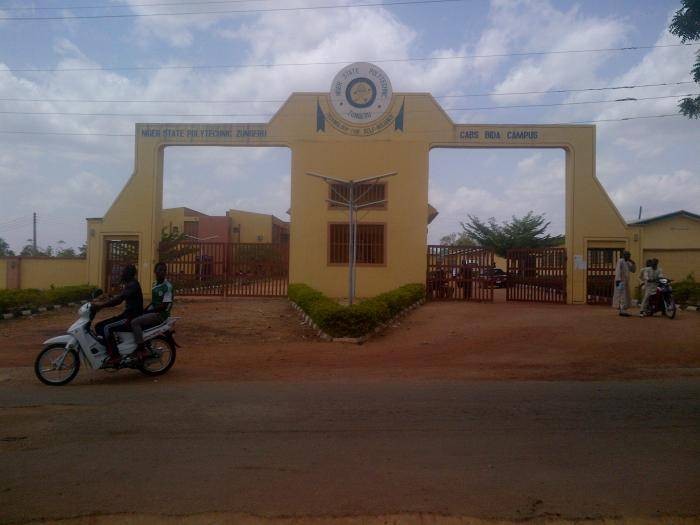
{"x":670,"y":308}
{"x":56,"y":365}
{"x":162,"y":357}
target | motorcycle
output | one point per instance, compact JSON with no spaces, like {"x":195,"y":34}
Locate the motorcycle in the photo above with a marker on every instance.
{"x":662,"y":300}
{"x":59,"y":361}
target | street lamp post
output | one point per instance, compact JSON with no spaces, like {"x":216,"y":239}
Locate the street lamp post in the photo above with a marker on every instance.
{"x":352,"y":203}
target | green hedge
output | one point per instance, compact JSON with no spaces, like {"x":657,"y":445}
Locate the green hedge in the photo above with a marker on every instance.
{"x":356,"y":320}
{"x":687,"y":291}
{"x":15,"y":300}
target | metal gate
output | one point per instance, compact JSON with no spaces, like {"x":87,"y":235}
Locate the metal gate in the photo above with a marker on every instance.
{"x":460,"y":273}
{"x":227,"y":269}
{"x":600,"y":274}
{"x":536,"y":275}
{"x":119,"y":254}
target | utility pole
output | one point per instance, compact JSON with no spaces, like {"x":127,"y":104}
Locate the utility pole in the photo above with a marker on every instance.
{"x":352,"y":203}
{"x":34,"y":236}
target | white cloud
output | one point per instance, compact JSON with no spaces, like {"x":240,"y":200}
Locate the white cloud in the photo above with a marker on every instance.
{"x":534,"y":182}
{"x":555,"y":30}
{"x":660,"y":192}
{"x":629,"y":153}
{"x":178,"y":31}
{"x":654,"y":163}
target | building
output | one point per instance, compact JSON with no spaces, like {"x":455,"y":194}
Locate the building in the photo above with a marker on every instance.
{"x":253,"y":227}
{"x":673,"y":239}
{"x":195,"y":225}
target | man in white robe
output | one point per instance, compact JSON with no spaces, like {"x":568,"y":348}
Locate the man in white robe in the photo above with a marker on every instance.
{"x":622,"y":298}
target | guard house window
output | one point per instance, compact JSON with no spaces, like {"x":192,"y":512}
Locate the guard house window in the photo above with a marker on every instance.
{"x":370,"y":244}
{"x":364,"y":193}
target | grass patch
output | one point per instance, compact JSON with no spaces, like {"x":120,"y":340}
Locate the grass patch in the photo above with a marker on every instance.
{"x":356,"y":320}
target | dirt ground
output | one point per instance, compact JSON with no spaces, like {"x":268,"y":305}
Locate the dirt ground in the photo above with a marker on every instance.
{"x":263,"y":339}
{"x":459,"y":413}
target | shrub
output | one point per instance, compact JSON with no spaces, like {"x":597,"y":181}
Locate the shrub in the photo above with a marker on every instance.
{"x":687,"y":291}
{"x":356,"y":320}
{"x":14,"y":300}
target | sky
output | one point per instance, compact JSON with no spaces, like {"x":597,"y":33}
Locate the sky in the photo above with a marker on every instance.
{"x":71,"y":90}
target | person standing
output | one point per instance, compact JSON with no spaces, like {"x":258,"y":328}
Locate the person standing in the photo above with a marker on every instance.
{"x":466,"y":277}
{"x":622,"y":297}
{"x":650,"y":277}
{"x":642,"y":275}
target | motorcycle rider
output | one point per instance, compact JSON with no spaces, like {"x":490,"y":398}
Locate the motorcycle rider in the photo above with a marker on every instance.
{"x":157,"y":312}
{"x":132,"y":296}
{"x":650,"y":277}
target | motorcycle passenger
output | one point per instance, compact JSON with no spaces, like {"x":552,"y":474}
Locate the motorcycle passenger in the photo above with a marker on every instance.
{"x":157,"y":312}
{"x":650,"y":277}
{"x":132,"y":296}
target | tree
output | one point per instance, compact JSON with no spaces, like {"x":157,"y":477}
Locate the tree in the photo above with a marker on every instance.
{"x":5,"y":249}
{"x":524,"y":232}
{"x":686,"y":25}
{"x":456,"y":239}
{"x":174,"y":246}
{"x":29,"y":251}
{"x":82,"y":250}
{"x":66,"y":252}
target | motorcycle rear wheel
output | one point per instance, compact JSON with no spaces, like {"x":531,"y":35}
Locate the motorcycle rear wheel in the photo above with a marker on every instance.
{"x":670,"y":308}
{"x":165,"y":350}
{"x":46,"y":364}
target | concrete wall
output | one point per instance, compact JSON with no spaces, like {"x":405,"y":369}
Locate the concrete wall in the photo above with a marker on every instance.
{"x":95,"y":251}
{"x":42,"y":272}
{"x":404,"y":216}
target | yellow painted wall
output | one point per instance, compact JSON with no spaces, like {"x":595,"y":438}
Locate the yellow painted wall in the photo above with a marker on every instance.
{"x":3,"y":274}
{"x":43,"y":272}
{"x":679,"y":232}
{"x":95,"y":251}
{"x":676,"y":264}
{"x":405,"y":232}
{"x":251,"y":225}
{"x":348,"y":152}
{"x":675,"y":241}
{"x":173,"y":217}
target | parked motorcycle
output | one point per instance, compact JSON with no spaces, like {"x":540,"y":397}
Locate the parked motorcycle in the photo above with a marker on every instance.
{"x":662,"y":301}
{"x":59,"y":361}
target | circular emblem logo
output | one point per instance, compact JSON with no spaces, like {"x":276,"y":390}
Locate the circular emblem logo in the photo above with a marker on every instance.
{"x":361,"y":93}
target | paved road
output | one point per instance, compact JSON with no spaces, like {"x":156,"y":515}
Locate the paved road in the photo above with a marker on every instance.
{"x":503,"y":449}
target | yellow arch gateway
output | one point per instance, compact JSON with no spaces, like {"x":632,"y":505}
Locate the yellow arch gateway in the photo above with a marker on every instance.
{"x":361,"y":129}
